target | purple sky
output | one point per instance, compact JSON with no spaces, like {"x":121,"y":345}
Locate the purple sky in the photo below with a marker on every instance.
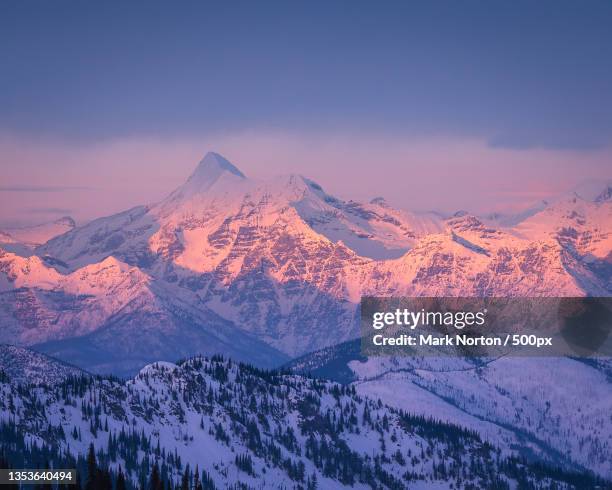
{"x":435,"y":105}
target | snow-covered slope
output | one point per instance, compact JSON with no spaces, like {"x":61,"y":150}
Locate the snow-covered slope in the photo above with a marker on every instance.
{"x":583,"y":226}
{"x":259,"y":429}
{"x":555,"y":408}
{"x":471,"y":259}
{"x":39,"y":234}
{"x":112,"y":317}
{"x":8,"y":243}
{"x":25,"y":366}
{"x":373,"y":229}
{"x":594,"y":191}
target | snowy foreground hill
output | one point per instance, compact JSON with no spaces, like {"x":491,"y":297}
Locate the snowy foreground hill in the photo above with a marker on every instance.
{"x":558,"y":409}
{"x":242,"y":427}
{"x":265,"y":271}
{"x":25,"y":366}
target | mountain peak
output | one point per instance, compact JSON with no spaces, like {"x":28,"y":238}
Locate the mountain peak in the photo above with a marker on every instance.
{"x":594,"y":190}
{"x":212,"y":166}
{"x":65,"y":221}
{"x":380,"y":201}
{"x":605,"y":195}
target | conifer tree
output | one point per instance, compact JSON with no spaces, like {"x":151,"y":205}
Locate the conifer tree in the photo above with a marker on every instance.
{"x":185,"y":479}
{"x":155,"y":482}
{"x":196,"y":479}
{"x":120,"y":483}
{"x":92,"y":469}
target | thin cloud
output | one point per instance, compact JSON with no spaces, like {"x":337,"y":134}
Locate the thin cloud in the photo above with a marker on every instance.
{"x":49,"y":210}
{"x":38,"y":188}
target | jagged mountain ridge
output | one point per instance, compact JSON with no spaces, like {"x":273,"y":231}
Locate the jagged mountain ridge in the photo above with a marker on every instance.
{"x":262,"y":262}
{"x":257,"y":428}
{"x":96,"y":316}
{"x":595,"y":191}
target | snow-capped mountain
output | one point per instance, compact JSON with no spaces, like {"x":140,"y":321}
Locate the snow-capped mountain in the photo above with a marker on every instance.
{"x":6,"y":238}
{"x":253,"y":429}
{"x":594,"y":191}
{"x":269,"y":270}
{"x":38,"y":234}
{"x":502,"y":220}
{"x":112,"y":317}
{"x":580,"y":225}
